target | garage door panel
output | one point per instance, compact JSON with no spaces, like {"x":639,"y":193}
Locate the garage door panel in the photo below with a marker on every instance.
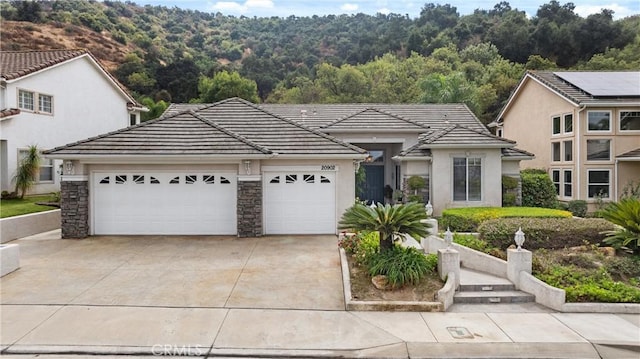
{"x":299,"y":202}
{"x":164,"y":203}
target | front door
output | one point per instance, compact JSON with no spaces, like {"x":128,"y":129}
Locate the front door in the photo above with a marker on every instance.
{"x":373,"y":189}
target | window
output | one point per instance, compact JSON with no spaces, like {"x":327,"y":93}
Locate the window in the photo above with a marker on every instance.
{"x":555,"y":151}
{"x":598,"y":184}
{"x":45,"y":172}
{"x":467,"y":179}
{"x":599,"y":120}
{"x":568,"y":151}
{"x":568,"y":123}
{"x":556,"y":125}
{"x":629,"y":120}
{"x":45,"y":103}
{"x":568,"y":183}
{"x":598,"y":150}
{"x":25,"y":100}
{"x":555,"y":178}
{"x":133,"y":119}
{"x":500,"y":132}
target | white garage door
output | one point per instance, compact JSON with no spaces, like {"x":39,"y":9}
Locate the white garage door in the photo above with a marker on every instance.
{"x":164,"y":203}
{"x":300,"y":202}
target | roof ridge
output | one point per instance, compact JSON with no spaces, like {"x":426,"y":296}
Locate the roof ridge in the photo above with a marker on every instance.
{"x":289,"y":121}
{"x":376,"y":109}
{"x":229,"y":132}
{"x":553,"y":86}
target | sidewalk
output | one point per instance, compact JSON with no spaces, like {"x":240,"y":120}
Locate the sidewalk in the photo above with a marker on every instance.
{"x":116,"y":297}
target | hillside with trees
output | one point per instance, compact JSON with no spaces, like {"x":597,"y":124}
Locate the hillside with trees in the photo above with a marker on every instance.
{"x":176,"y":55}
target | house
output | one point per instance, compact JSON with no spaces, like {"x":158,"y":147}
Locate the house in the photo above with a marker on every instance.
{"x":49,"y":98}
{"x":237,"y":168}
{"x":584,"y":128}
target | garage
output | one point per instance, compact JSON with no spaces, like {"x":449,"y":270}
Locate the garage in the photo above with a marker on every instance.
{"x":299,"y":202}
{"x":192,"y":203}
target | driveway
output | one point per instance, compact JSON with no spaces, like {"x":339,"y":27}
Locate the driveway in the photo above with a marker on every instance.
{"x":283,"y":272}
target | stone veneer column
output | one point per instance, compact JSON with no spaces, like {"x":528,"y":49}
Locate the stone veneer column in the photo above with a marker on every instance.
{"x":249,"y":206}
{"x":74,"y":207}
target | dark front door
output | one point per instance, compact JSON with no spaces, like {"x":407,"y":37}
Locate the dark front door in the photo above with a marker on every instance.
{"x":373,"y":189}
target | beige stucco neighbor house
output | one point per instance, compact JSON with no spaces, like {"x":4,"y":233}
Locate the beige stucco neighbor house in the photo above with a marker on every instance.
{"x":584,"y":128}
{"x":237,"y":168}
{"x":51,"y":97}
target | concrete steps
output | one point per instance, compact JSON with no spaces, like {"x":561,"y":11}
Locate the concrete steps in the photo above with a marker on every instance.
{"x":482,"y":288}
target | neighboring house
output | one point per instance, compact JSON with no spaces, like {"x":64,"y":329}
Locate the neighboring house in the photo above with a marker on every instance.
{"x":49,"y":98}
{"x":236,"y":168}
{"x":584,"y":128}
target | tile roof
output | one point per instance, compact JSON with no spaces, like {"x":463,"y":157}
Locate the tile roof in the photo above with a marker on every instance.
{"x":373,"y":119}
{"x":516,"y":153}
{"x":181,"y":134}
{"x":16,"y":64}
{"x":229,"y":127}
{"x":580,"y":95}
{"x":631,"y":154}
{"x":318,"y":115}
{"x":9,"y":112}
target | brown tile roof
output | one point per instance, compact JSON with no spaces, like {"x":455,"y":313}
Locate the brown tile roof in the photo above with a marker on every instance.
{"x":230,"y":127}
{"x":631,"y":154}
{"x":516,"y":153}
{"x":9,"y":112}
{"x":16,"y":64}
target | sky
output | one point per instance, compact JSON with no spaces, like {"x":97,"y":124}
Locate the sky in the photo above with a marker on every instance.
{"x":285,"y":8}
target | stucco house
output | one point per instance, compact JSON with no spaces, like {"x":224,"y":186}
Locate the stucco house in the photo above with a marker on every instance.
{"x":237,"y":168}
{"x":49,"y":98}
{"x":584,"y":128}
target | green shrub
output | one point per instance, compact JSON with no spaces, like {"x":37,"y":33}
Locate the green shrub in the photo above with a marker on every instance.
{"x":578,"y":207}
{"x":401,"y":265}
{"x":626,"y":215}
{"x":368,"y":245}
{"x":471,"y":241}
{"x":468,"y":219}
{"x":544,"y":232}
{"x":508,"y":199}
{"x":537,"y":189}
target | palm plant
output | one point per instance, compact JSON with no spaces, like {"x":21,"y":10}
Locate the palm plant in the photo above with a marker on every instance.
{"x":387,"y":220}
{"x":625,"y":214}
{"x":27,"y":170}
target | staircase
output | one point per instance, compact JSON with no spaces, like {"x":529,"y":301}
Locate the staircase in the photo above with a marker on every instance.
{"x":482,"y":288}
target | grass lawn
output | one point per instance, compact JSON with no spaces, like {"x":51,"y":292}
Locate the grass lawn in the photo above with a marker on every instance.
{"x":16,"y":207}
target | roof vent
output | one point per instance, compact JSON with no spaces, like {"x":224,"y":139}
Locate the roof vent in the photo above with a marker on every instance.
{"x":303,"y":113}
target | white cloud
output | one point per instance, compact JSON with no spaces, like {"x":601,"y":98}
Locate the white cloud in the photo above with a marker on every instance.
{"x":349,"y":7}
{"x":384,"y":11}
{"x":618,"y":11}
{"x":264,"y":4}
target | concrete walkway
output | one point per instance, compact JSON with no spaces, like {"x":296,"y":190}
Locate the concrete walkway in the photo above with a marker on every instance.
{"x":109,"y":315}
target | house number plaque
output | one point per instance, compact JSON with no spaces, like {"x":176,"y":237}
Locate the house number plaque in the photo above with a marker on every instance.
{"x":328,"y":167}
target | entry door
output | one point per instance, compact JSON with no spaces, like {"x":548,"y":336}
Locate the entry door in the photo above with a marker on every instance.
{"x":373,"y":189}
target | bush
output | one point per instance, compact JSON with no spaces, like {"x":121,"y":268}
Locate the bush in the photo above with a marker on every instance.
{"x":578,"y":208}
{"x":544,"y":232}
{"x":508,"y":199}
{"x":401,"y":265}
{"x":368,"y":245}
{"x":537,"y":189}
{"x":626,"y":215}
{"x":509,"y":188}
{"x":468,"y":219}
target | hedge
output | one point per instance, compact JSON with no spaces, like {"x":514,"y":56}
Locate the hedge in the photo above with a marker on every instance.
{"x":468,"y":219}
{"x":550,"y":233}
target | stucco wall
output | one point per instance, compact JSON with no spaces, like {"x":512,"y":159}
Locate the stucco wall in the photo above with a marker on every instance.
{"x":85,"y":104}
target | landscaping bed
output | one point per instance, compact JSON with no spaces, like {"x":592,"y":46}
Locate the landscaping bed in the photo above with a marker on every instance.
{"x":469,"y":219}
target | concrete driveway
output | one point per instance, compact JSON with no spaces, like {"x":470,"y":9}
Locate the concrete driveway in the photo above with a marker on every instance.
{"x":283,"y":272}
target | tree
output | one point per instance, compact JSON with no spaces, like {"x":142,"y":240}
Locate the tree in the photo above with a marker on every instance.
{"x":387,"y":220}
{"x":226,"y":84}
{"x":27,"y":171}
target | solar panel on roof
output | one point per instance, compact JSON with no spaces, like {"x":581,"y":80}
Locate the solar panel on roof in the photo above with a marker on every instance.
{"x":604,"y":83}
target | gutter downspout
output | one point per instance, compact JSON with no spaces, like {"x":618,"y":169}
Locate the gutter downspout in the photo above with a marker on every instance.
{"x":579,"y":161}
{"x":615,"y":179}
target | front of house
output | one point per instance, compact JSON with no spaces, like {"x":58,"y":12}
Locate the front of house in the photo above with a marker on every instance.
{"x":49,"y":98}
{"x":584,"y":128}
{"x":236,"y":168}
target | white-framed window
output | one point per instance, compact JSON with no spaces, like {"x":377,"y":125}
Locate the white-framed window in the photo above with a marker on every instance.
{"x":555,"y":178}
{"x":599,"y":150}
{"x":599,"y":121}
{"x":35,"y":102}
{"x":46,"y":171}
{"x":133,"y":119}
{"x":598,"y":183}
{"x":568,"y":123}
{"x":568,"y":151}
{"x":629,"y":120}
{"x":555,"y":152}
{"x":467,"y":179}
{"x":567,"y":179}
{"x":555,"y":125}
{"x":45,"y":103}
{"x":26,"y":100}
